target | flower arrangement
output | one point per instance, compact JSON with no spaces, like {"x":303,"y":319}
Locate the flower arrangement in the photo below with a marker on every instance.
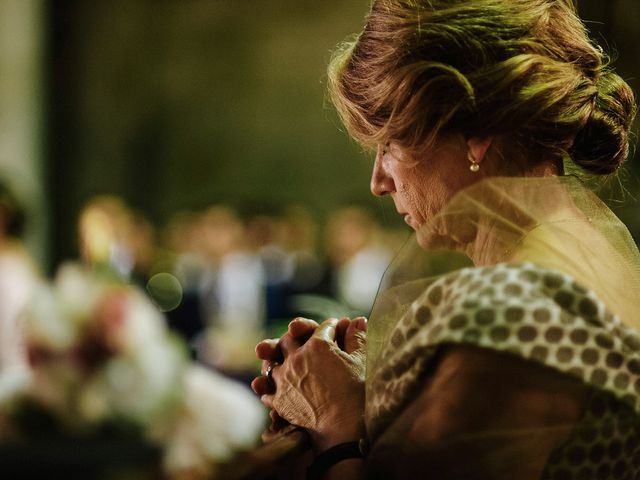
{"x":99,"y":355}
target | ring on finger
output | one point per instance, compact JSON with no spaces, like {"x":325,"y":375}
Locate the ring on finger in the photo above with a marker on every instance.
{"x":269,"y":374}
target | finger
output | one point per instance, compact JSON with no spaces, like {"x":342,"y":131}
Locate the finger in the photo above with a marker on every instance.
{"x":275,"y":432}
{"x":277,"y":422}
{"x":288,"y":344}
{"x":273,"y":415}
{"x":280,"y":424}
{"x":327,"y":330}
{"x":302,"y":328}
{"x":269,"y":350}
{"x":269,"y":435}
{"x":341,"y":331}
{"x":354,"y":337}
{"x":265,"y":365}
{"x":267,"y":400}
{"x":261,"y":386}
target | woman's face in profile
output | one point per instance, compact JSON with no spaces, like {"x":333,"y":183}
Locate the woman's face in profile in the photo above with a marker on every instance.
{"x":421,"y":185}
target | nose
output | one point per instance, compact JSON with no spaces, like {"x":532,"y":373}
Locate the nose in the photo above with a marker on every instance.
{"x":381,"y":182}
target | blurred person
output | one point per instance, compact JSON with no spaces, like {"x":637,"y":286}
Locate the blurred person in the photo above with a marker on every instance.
{"x":116,"y":240}
{"x":357,"y":255}
{"x":105,"y":230}
{"x":266,"y":235}
{"x":236,"y":279}
{"x":297,"y":280}
{"x":232,"y":291}
{"x":144,"y":248}
{"x":19,"y":277}
{"x":300,"y":243}
{"x":183,"y":239}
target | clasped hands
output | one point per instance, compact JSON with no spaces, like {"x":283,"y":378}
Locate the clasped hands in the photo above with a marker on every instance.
{"x":316,"y":380}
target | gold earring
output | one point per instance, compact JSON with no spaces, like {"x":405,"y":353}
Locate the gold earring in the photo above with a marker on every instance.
{"x":475,"y":166}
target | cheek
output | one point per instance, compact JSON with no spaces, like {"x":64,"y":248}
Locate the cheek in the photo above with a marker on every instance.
{"x":427,"y":197}
{"x":416,"y":199}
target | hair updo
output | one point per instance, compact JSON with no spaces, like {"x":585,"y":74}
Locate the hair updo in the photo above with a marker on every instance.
{"x":521,"y":69}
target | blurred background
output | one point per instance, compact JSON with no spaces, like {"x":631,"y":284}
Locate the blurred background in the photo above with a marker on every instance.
{"x":189,"y":145}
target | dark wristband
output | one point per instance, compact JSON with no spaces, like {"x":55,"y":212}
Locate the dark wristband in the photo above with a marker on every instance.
{"x":333,"y":455}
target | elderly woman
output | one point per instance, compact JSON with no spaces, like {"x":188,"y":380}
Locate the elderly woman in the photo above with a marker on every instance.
{"x":506,"y":344}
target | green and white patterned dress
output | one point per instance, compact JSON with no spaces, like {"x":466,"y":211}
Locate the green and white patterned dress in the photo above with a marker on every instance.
{"x":542,"y":300}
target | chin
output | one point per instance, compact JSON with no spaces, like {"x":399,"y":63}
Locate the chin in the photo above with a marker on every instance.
{"x":430,"y":237}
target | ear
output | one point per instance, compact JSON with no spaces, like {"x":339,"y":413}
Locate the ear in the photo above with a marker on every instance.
{"x":478,"y":147}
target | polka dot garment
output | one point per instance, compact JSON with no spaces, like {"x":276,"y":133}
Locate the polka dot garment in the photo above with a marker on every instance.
{"x":540,"y":315}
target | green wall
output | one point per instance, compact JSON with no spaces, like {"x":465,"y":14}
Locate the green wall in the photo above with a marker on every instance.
{"x":179,"y":104}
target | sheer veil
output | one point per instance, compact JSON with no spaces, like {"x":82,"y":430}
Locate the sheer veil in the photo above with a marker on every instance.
{"x":553,"y":222}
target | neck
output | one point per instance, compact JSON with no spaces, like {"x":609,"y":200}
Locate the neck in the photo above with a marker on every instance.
{"x":488,"y":248}
{"x":547,"y":168}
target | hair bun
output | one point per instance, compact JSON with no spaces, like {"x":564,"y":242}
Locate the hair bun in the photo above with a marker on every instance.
{"x":602,"y":145}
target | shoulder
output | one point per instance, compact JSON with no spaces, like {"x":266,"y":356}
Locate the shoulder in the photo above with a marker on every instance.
{"x":528,"y":287}
{"x":504,"y":306}
{"x":533,"y":313}
{"x":510,"y":304}
{"x":537,"y":314}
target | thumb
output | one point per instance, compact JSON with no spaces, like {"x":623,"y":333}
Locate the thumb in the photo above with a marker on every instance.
{"x":354,"y":338}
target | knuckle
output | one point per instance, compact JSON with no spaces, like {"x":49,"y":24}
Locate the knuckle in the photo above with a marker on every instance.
{"x":285,"y":339}
{"x":296,"y":363}
{"x":317,"y":345}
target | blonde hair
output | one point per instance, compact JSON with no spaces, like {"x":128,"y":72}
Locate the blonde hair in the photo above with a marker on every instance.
{"x":521,"y":69}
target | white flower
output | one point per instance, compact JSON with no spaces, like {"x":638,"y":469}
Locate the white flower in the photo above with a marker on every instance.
{"x":13,"y":381}
{"x":141,"y":379}
{"x":101,"y":351}
{"x":219,"y":417}
{"x":77,"y":291}
{"x":45,"y":323}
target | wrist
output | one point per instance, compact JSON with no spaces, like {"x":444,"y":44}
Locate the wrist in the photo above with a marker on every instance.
{"x":336,"y":429}
{"x":342,"y":453}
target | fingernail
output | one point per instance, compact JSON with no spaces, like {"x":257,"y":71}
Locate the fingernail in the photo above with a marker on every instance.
{"x":297,"y":319}
{"x":361,"y":323}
